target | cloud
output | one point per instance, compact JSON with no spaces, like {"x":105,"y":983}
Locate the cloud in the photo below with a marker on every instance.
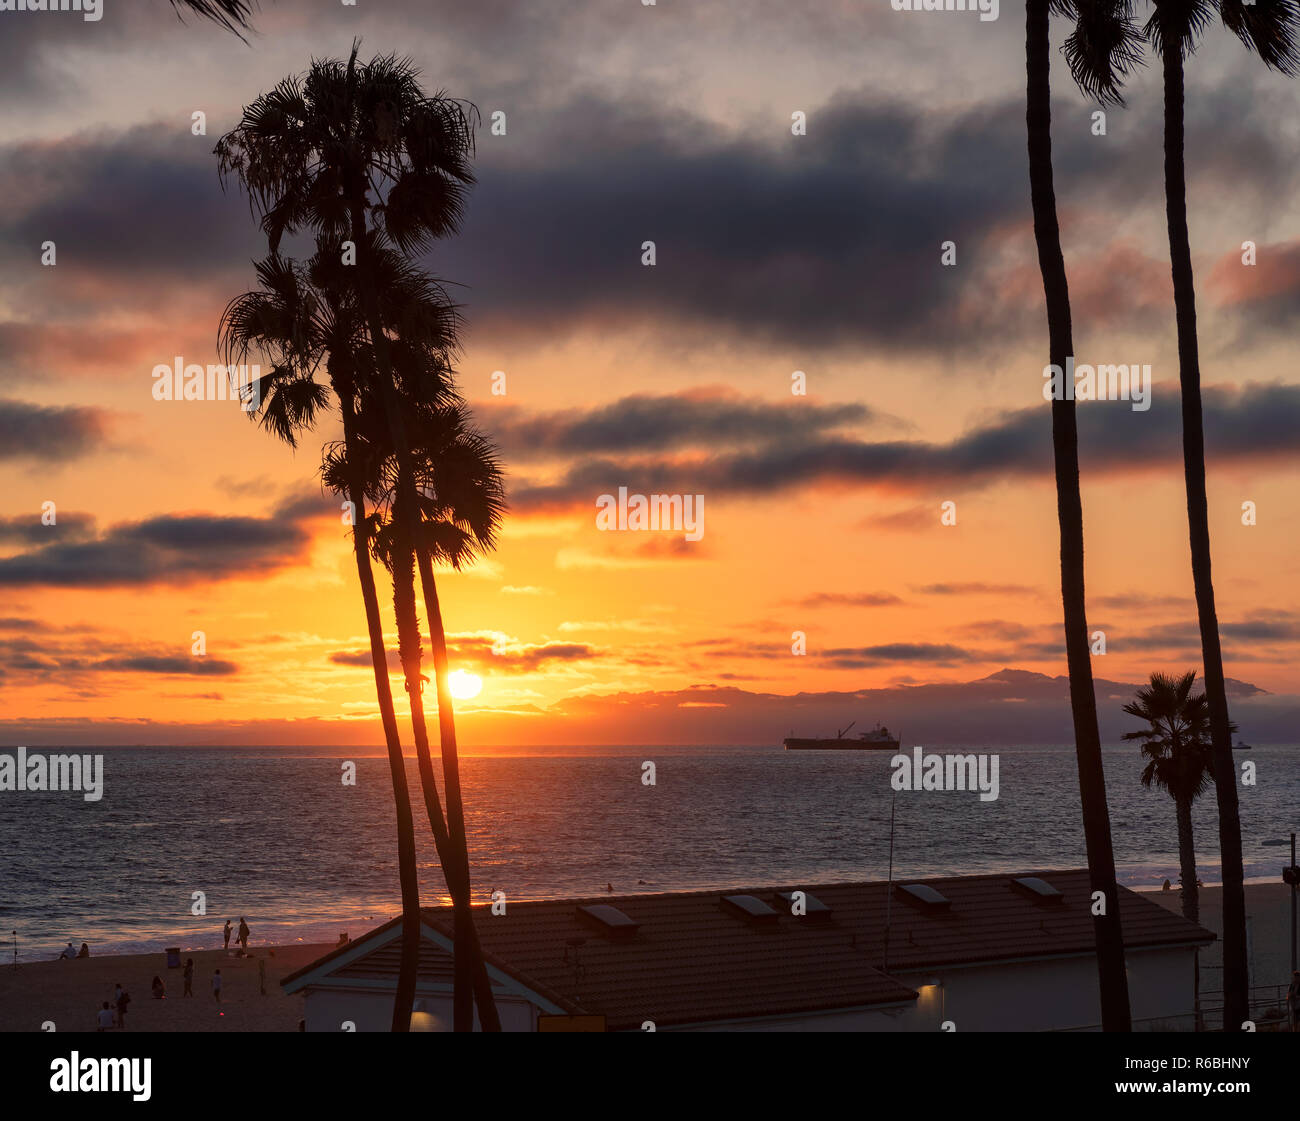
{"x":643,"y":422}
{"x":50,"y":433}
{"x":840,"y":599}
{"x":168,"y":549}
{"x":1255,"y":422}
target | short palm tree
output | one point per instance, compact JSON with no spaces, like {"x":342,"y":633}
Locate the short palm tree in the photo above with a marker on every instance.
{"x":1100,"y":53}
{"x":1176,"y":746}
{"x":1268,"y":28}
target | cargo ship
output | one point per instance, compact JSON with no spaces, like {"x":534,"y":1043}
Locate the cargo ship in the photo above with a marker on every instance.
{"x":878,"y":739}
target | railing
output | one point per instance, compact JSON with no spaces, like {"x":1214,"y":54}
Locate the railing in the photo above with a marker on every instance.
{"x":1268,"y":1011}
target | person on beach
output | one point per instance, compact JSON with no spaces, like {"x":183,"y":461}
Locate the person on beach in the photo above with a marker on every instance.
{"x":243,"y":934}
{"x":216,"y":985}
{"x":123,"y":999}
{"x":189,"y":977}
{"x":1293,"y":1001}
{"x":158,"y":988}
{"x":226,"y":933}
{"x":84,"y":952}
{"x":69,"y":953}
{"x":104,"y":1018}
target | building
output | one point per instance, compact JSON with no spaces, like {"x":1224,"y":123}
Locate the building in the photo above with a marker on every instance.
{"x":974,"y":953}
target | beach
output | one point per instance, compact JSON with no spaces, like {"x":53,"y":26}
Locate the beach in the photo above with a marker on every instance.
{"x":69,"y":993}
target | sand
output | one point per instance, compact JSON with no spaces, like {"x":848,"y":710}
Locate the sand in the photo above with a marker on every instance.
{"x":70,"y":992}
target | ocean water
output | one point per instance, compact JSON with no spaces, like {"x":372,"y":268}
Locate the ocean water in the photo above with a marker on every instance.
{"x":272,"y":833}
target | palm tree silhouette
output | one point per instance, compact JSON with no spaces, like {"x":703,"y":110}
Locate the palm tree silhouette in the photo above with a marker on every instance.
{"x":1269,"y":29}
{"x":358,"y":152}
{"x":230,"y":14}
{"x":300,"y":333}
{"x":1176,"y":745}
{"x":1100,"y":53}
{"x":306,"y":318}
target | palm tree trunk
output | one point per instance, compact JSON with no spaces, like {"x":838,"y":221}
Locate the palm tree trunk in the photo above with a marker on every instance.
{"x":1236,"y":997}
{"x":404,"y":998}
{"x":1187,"y":861}
{"x":487,"y":1009}
{"x":407,"y":496}
{"x":468,"y":963}
{"x":1113,"y":982}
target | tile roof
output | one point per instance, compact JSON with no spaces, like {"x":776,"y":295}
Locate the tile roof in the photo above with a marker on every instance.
{"x":695,"y":959}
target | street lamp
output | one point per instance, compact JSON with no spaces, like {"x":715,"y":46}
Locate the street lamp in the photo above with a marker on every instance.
{"x":1290,"y":875}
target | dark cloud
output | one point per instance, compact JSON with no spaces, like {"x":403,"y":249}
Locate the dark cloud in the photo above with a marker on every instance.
{"x":641,"y":422}
{"x":891,"y":653}
{"x":839,"y":599}
{"x":50,"y":433}
{"x":1258,"y":421}
{"x":165,"y":549}
{"x":29,"y":530}
{"x":50,"y":659}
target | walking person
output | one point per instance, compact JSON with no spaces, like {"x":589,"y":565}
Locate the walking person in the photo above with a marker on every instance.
{"x":243,"y":934}
{"x":123,"y":999}
{"x":216,"y":986}
{"x":226,"y":934}
{"x":189,"y":977}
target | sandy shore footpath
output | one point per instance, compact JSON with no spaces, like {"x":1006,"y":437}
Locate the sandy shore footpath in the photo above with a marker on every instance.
{"x":70,"y":992}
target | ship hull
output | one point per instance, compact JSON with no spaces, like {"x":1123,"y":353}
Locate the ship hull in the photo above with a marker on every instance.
{"x":793,"y":744}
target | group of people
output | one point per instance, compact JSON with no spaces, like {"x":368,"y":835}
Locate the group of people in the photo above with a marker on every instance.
{"x":70,"y":954}
{"x":243,"y":935}
{"x":112,"y":1014}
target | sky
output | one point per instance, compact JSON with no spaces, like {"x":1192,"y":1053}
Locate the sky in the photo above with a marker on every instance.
{"x":775,"y":253}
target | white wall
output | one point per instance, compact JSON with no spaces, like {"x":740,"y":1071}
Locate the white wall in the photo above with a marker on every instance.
{"x":372,"y":1010}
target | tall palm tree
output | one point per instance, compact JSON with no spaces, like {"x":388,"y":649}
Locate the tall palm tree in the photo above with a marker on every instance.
{"x":1176,"y":746}
{"x":361,"y":152}
{"x":306,"y":317}
{"x":1099,"y":40}
{"x":1269,"y":29}
{"x":285,"y":320}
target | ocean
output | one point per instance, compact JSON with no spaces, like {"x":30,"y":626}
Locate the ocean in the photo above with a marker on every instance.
{"x":273,"y":835}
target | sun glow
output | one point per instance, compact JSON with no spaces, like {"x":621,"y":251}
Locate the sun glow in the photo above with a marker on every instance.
{"x":464,"y":686}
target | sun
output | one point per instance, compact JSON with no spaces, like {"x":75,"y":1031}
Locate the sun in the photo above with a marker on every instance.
{"x":464,"y":686}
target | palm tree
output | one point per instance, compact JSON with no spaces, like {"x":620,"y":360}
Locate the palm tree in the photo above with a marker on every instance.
{"x":286,"y":320}
{"x":1176,"y":745}
{"x":310,"y":154}
{"x":1098,"y":24}
{"x":305,"y":317}
{"x":230,"y":14}
{"x":1269,"y":29}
